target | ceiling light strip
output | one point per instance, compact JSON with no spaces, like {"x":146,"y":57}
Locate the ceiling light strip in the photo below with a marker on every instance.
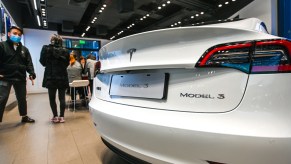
{"x":38,"y":20}
{"x":35,"y":6}
{"x":225,"y":3}
{"x":43,"y":13}
{"x":162,"y":4}
{"x":197,"y":14}
{"x":102,"y":8}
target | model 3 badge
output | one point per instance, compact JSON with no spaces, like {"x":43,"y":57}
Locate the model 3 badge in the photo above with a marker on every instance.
{"x":131,"y":51}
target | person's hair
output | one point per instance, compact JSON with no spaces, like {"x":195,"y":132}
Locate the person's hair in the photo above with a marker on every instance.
{"x":15,"y":27}
{"x":91,"y":56}
{"x":81,"y":58}
{"x":72,"y":58}
{"x":58,"y":39}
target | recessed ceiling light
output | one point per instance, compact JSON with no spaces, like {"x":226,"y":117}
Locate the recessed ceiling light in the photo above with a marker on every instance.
{"x":220,"y":5}
{"x":226,"y":3}
{"x":233,"y":0}
{"x":159,"y":8}
{"x":102,"y":8}
{"x":197,"y":15}
{"x":144,"y":17}
{"x":172,"y":25}
{"x":141,"y":19}
{"x":175,"y":24}
{"x":179,"y":22}
{"x":148,"y":15}
{"x":192,"y":17}
{"x":168,"y":2}
{"x":100,"y":11}
{"x":202,"y":13}
{"x":164,"y":5}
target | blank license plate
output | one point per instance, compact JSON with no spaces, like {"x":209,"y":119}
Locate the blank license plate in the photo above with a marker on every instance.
{"x":146,"y":85}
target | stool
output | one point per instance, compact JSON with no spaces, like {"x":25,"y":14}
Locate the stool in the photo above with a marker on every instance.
{"x":78,"y":83}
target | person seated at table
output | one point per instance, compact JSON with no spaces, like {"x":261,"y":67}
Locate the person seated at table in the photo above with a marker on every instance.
{"x":75,"y":73}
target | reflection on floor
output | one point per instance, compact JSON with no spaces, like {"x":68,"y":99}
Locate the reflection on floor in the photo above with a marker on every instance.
{"x":73,"y":142}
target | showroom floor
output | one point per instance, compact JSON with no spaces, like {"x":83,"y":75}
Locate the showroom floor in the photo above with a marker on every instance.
{"x":73,"y":142}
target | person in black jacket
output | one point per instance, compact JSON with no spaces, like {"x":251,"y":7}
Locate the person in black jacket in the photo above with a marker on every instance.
{"x":15,"y":61}
{"x":55,"y":59}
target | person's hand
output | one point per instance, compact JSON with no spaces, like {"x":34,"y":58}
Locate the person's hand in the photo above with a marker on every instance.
{"x":32,"y":77}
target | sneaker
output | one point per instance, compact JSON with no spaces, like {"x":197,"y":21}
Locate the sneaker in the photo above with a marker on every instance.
{"x":55,"y":120}
{"x":26,"y":119}
{"x":61,"y":119}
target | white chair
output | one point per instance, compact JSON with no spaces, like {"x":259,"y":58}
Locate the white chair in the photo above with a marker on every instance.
{"x":78,"y":83}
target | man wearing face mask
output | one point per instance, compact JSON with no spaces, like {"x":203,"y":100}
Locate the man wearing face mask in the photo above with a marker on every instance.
{"x":15,"y":61}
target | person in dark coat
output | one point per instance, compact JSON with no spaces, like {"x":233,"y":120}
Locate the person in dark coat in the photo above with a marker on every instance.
{"x":15,"y":61}
{"x":55,"y":59}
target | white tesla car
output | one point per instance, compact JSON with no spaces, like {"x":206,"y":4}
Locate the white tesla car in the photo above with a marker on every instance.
{"x":209,"y":94}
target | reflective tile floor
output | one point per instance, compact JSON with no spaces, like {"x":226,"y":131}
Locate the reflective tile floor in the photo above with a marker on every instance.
{"x":72,"y":142}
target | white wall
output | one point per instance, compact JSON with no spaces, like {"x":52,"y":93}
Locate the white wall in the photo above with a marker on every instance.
{"x":34,"y":40}
{"x":266,"y":10}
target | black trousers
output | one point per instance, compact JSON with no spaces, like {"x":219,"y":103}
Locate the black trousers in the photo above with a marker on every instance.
{"x":52,"y":97}
{"x":20,"y":92}
{"x":80,"y":91}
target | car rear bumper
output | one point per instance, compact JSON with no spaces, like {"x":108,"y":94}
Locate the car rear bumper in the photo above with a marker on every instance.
{"x":160,"y":136}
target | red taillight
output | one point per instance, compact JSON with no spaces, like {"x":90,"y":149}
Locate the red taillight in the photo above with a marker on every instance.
{"x":233,"y":55}
{"x":272,"y":56}
{"x":265,"y":56}
{"x":223,"y":48}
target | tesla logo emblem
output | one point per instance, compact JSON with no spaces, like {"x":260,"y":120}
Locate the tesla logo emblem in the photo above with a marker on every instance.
{"x":131,"y":51}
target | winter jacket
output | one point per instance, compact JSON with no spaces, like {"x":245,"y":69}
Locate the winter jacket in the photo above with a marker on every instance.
{"x":15,"y":63}
{"x":55,"y":59}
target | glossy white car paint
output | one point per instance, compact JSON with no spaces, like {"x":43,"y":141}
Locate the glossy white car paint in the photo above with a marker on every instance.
{"x":203,"y":86}
{"x":156,"y":52}
{"x":249,"y":125}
